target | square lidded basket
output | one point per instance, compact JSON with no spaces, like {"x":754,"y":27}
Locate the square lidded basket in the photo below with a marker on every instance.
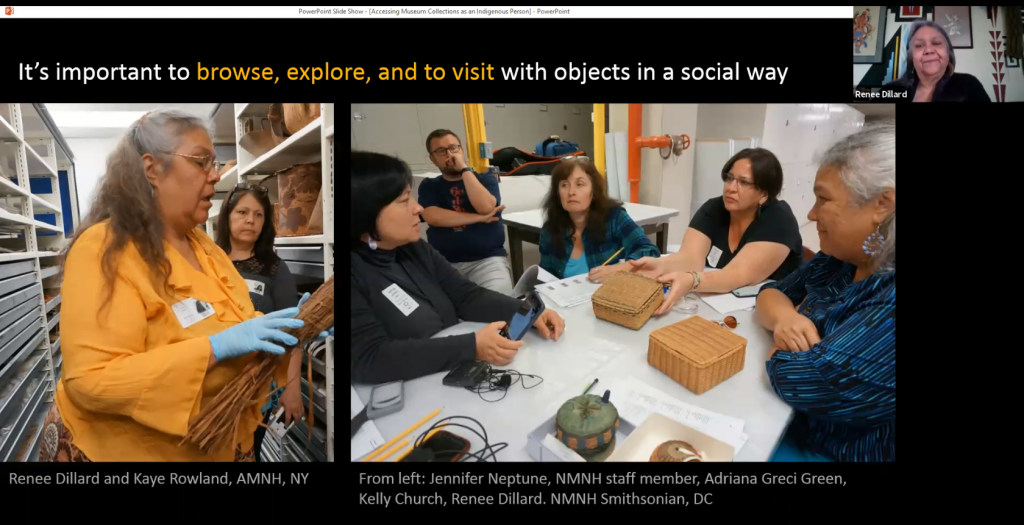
{"x":697,"y":353}
{"x":627,"y":299}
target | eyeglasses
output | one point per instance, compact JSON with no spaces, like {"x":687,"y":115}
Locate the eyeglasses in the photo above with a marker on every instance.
{"x":575,"y":157}
{"x":453,"y":149}
{"x":207,"y":162}
{"x":243,"y":186}
{"x":728,"y":177}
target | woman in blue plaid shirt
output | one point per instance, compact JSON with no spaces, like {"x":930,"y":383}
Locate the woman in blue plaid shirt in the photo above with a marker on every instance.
{"x":583,"y":227}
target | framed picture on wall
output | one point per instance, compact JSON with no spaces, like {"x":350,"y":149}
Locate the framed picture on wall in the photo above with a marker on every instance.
{"x":909,"y":13}
{"x":868,"y":33}
{"x":956,"y":20}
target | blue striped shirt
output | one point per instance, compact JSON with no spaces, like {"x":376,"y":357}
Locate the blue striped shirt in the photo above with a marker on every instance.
{"x":844,"y":388}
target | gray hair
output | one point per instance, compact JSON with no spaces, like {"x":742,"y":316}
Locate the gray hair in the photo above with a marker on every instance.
{"x":866,"y":161}
{"x":127,"y":199}
{"x":160,"y":132}
{"x":910,"y":75}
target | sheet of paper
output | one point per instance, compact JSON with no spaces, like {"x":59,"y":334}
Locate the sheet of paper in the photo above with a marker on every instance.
{"x":569,"y":292}
{"x":636,"y":400}
{"x":368,"y":438}
{"x":725,"y":303}
{"x":533,"y":276}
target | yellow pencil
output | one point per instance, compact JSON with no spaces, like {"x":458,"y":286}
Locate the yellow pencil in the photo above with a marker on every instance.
{"x":613,"y":256}
{"x":428,"y":436}
{"x":396,"y":449}
{"x":402,"y":435}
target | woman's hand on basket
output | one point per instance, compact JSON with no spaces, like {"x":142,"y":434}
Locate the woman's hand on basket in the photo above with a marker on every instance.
{"x":255,"y":335}
{"x":323,"y":335}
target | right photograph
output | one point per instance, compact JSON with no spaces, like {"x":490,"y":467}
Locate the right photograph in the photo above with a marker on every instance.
{"x":623,"y":282}
{"x":939,"y":53}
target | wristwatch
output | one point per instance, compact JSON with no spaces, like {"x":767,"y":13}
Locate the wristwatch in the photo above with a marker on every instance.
{"x":464,"y":170}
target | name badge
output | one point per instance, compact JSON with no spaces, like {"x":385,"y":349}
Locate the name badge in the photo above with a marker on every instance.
{"x":190,"y":311}
{"x":255,"y":287}
{"x":400,"y":299}
{"x":714,"y":256}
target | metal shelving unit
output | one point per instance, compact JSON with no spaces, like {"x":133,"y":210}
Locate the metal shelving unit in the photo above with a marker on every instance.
{"x":31,"y":147}
{"x":310,"y":258}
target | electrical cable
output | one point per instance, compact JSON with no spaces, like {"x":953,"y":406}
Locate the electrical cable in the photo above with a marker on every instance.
{"x":479,"y":455}
{"x":501,"y":380}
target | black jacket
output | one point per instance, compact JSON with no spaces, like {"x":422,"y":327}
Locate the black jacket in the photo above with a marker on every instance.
{"x":959,"y":87}
{"x":387,"y":345}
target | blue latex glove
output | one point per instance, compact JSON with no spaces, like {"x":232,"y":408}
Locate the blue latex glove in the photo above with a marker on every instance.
{"x":254,"y":335}
{"x":323,"y":335}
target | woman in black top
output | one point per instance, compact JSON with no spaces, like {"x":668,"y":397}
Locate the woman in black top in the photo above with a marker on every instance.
{"x":245,"y":231}
{"x":747,"y":233}
{"x":929,"y":76}
{"x":404,"y":291}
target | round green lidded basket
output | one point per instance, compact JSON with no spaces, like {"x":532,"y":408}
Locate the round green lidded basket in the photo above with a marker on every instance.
{"x":587,"y":425}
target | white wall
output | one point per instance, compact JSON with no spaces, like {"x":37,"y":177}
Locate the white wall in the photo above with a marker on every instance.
{"x":724,"y":121}
{"x":524,"y":125}
{"x":976,"y":61}
{"x":678,"y":172}
{"x":401,"y":129}
{"x":618,"y":118}
{"x":90,"y":165}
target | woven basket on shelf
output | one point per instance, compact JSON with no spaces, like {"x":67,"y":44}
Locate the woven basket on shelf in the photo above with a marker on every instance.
{"x":627,"y":299}
{"x":697,"y":353}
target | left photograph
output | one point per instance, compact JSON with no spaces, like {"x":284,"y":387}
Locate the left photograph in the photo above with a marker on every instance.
{"x":181,"y":258}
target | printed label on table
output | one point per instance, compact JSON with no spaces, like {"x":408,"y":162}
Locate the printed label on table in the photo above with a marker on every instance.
{"x":714,"y":256}
{"x":400,"y":299}
{"x":191,"y":311}
{"x":255,"y":287}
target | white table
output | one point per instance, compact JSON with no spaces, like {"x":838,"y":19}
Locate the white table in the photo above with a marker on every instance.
{"x":591,"y":348}
{"x":526,"y":225}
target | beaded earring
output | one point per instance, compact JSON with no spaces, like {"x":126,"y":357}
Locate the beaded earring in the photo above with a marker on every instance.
{"x":873,"y":244}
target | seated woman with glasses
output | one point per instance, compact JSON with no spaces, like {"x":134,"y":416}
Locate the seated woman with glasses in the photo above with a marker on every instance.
{"x":747,"y":233}
{"x":584,"y":228}
{"x":403,"y":291}
{"x":245,"y":231}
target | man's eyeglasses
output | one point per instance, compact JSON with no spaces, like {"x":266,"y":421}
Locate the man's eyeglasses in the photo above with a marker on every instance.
{"x":207,"y":162}
{"x":453,"y":149}
{"x":728,"y":177}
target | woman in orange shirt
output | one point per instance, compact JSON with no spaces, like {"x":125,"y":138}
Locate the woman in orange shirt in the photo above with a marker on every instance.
{"x":155,"y":319}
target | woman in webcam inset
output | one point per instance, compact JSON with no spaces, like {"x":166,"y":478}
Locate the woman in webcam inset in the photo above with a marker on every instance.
{"x":929,"y":75}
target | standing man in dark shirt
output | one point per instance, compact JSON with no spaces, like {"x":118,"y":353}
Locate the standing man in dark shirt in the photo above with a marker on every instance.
{"x":463,"y":208}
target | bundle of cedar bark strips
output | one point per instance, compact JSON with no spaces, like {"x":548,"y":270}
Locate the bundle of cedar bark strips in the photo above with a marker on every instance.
{"x":217,"y":424}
